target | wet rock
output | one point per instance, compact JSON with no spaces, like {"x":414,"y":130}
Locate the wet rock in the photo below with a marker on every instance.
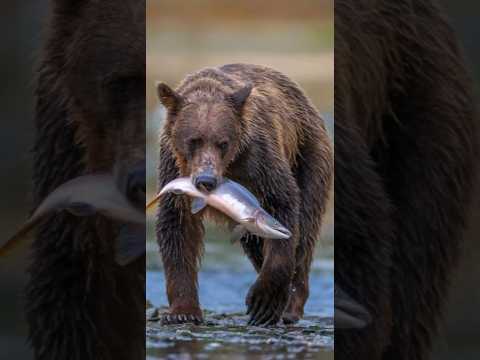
{"x":148,"y":304}
{"x":224,"y":333}
{"x":152,"y":314}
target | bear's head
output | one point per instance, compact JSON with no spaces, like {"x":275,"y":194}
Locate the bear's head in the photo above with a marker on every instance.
{"x":205,"y":131}
{"x":102,"y":72}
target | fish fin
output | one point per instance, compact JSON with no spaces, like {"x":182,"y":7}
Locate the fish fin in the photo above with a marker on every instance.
{"x":238,"y":232}
{"x":248,"y":220}
{"x":81,"y":209}
{"x":349,"y":314}
{"x":130,"y":244}
{"x":343,"y":320}
{"x":20,"y":237}
{"x":198,"y":204}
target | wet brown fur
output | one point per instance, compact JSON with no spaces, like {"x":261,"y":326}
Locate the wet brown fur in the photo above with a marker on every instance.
{"x":405,"y":140}
{"x":90,"y":111}
{"x":278,"y":148}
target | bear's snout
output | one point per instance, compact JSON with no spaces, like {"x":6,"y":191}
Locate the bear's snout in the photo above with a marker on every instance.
{"x":207,"y":181}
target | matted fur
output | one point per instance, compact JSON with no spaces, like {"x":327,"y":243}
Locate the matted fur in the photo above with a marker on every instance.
{"x":80,"y":304}
{"x":279,"y":149}
{"x":405,"y":145}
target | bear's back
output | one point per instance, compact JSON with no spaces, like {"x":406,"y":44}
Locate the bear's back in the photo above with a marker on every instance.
{"x":276,"y":103}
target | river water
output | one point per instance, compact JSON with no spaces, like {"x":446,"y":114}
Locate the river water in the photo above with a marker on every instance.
{"x":224,"y":280}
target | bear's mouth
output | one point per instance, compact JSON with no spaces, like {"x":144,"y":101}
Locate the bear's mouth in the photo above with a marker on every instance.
{"x":283,"y":231}
{"x":131,"y":181}
{"x":206,"y":180}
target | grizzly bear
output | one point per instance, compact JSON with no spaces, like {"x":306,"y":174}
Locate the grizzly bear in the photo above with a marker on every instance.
{"x":405,"y":140}
{"x":253,"y":125}
{"x":90,"y":117}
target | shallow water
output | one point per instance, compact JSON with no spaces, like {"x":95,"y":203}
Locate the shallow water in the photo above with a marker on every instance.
{"x":224,"y":290}
{"x":224,"y":281}
{"x":226,"y":335}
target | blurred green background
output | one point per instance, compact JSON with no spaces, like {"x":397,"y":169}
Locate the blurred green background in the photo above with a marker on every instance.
{"x":459,"y":332}
{"x":20,"y":36}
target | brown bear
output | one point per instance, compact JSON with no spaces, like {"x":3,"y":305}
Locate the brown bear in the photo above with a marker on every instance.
{"x":90,"y":117}
{"x":253,"y":125}
{"x":405,"y":140}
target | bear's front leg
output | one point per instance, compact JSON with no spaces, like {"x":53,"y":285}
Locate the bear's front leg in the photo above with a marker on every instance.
{"x":268,"y":296}
{"x":179,"y":236}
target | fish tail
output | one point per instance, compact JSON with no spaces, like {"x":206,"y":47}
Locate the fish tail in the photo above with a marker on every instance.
{"x":153,"y":201}
{"x":19,"y":237}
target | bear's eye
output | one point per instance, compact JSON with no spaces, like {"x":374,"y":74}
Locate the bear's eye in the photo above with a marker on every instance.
{"x":194,"y":144}
{"x":223,"y":146}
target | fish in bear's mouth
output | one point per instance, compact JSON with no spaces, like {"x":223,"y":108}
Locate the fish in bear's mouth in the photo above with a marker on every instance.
{"x":89,"y":195}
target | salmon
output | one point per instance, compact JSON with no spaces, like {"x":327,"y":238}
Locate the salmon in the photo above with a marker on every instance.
{"x":235,"y":201}
{"x":89,"y":195}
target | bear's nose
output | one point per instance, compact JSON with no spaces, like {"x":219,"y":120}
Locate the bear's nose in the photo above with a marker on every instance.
{"x":136,"y":184}
{"x":208,"y":182}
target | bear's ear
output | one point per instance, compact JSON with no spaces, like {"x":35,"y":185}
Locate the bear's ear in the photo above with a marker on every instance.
{"x":168,"y":97}
{"x":239,"y":97}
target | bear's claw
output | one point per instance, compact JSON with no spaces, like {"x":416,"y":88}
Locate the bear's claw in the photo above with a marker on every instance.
{"x":265,"y":308}
{"x":172,"y":319}
{"x":290,"y":318}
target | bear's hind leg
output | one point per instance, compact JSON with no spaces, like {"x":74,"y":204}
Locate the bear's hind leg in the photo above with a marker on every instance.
{"x":313,"y":174}
{"x":299,"y":292}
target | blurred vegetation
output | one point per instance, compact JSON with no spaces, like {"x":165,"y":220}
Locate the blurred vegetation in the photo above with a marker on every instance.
{"x":185,"y":36}
{"x":459,"y":330}
{"x":20,"y":29}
